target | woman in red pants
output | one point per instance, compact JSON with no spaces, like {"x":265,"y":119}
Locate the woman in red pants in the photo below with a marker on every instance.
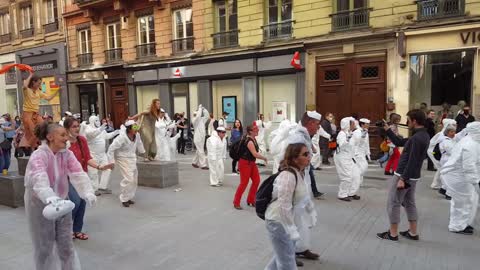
{"x":248,"y":169}
{"x":392,"y":163}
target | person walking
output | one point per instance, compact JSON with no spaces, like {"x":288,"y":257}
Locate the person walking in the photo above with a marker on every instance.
{"x":199,"y":119}
{"x":248,"y":168}
{"x":50,"y":171}
{"x":289,"y":190}
{"x":326,"y":125}
{"x":263,"y":127}
{"x":237,"y":133}
{"x":344,"y":157}
{"x":182,"y":129}
{"x":464,"y":118}
{"x":361,"y":143}
{"x":403,"y":184}
{"x":392,"y":162}
{"x":217,"y":153}
{"x":430,"y":126}
{"x":8,"y":127}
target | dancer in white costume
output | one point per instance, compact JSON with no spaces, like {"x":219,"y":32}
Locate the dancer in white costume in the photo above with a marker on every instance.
{"x":362,"y":148}
{"x":262,"y":128}
{"x":345,"y":162}
{"x":200,"y":117}
{"x":163,"y":128}
{"x":277,"y":142}
{"x":317,"y":156}
{"x":217,"y":153}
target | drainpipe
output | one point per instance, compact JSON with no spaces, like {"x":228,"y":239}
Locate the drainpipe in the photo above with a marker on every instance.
{"x":67,"y":53}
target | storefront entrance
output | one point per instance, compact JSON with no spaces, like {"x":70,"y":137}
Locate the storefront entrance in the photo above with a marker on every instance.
{"x":88,"y":101}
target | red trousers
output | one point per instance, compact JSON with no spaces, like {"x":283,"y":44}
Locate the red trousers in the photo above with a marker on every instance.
{"x":393,"y":160}
{"x":248,"y":170}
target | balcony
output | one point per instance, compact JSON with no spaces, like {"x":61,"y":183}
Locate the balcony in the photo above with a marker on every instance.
{"x":350,"y":19}
{"x":182,"y":45}
{"x":51,"y":27}
{"x":85,"y":59}
{"x":281,"y":30}
{"x":225,"y":39}
{"x":436,"y":9}
{"x":113,"y":55}
{"x":6,"y":38}
{"x":27,"y":33}
{"x":146,"y":50}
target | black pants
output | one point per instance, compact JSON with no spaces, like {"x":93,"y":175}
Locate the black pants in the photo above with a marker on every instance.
{"x":234,"y":165}
{"x":181,"y":145}
{"x":325,"y":151}
{"x":312,"y":181}
{"x":430,"y":164}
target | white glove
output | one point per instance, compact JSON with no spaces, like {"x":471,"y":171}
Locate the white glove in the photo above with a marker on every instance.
{"x":91,"y":199}
{"x":295,"y":236}
{"x":53,"y":200}
{"x":103,"y":126}
{"x":116,"y":132}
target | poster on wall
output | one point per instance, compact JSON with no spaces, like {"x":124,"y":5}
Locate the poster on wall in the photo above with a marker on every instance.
{"x":229,"y":105}
{"x":50,"y":107}
{"x":279,"y":111}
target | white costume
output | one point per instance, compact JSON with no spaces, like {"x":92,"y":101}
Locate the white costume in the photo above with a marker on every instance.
{"x":217,"y":153}
{"x":198,"y":123}
{"x":345,"y":161}
{"x":122,"y":152}
{"x":316,"y":160}
{"x":361,"y":149}
{"x":262,"y":128}
{"x":163,"y":139}
{"x":97,"y":139}
{"x":461,"y":176}
{"x":277,"y":142}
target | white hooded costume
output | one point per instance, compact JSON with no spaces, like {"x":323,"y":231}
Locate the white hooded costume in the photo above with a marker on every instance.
{"x":278,"y":143}
{"x":97,"y":139}
{"x":316,"y":160}
{"x":163,"y":140}
{"x":217,"y":153}
{"x":461,"y":175}
{"x":122,"y":152}
{"x":199,"y":120}
{"x":361,"y":149}
{"x":262,"y":146}
{"x":348,"y":172}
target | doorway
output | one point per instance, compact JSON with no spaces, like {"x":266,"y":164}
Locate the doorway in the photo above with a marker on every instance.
{"x":119,"y":96}
{"x":88,"y":101}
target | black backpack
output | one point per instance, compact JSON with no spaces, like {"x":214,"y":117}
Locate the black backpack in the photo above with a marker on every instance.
{"x":235,"y":149}
{"x":264,"y":193}
{"x":437,"y":154}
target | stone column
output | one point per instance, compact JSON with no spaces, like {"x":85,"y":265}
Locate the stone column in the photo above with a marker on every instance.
{"x":250,"y":99}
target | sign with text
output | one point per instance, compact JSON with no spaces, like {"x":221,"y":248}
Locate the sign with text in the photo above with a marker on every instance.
{"x":470,"y":37}
{"x":44,"y":66}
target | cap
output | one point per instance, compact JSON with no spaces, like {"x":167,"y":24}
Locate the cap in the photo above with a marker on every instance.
{"x":129,"y":123}
{"x":314,"y":115}
{"x":226,"y":113}
{"x":222,"y":129}
{"x":364,"y":120}
{"x":162,"y":110}
{"x":68,"y":113}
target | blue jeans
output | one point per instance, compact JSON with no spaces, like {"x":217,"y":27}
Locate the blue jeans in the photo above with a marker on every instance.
{"x":6,"y":156}
{"x":283,"y":248}
{"x":384,"y":158}
{"x":79,"y":211}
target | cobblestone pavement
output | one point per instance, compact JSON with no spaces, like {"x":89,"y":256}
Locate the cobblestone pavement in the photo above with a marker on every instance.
{"x":198,"y":229}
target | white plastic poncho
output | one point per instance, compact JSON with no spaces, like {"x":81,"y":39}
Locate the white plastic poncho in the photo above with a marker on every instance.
{"x":262,"y":146}
{"x":361,"y":150}
{"x":278,"y":142}
{"x":217,"y":153}
{"x":97,"y":139}
{"x":46,"y":178}
{"x":344,"y":159}
{"x":198,"y":123}
{"x":316,"y":160}
{"x":163,"y":139}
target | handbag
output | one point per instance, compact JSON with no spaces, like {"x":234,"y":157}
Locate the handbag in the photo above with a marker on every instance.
{"x":332,"y":145}
{"x":6,"y":144}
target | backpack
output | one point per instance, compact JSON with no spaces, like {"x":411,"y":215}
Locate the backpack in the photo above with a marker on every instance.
{"x":437,"y":154}
{"x":235,"y":149}
{"x":215,"y":125}
{"x":264,"y":193}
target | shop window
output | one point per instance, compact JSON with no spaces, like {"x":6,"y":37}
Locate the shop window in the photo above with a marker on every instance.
{"x":441,"y":77}
{"x":145,"y":95}
{"x":370,"y":72}
{"x":4,"y":24}
{"x":27,"y":17}
{"x":278,"y":97}
{"x":332,"y":75}
{"x":51,"y":11}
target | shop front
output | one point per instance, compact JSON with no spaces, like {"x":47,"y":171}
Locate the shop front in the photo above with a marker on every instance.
{"x":48,"y":62}
{"x":442,"y":67}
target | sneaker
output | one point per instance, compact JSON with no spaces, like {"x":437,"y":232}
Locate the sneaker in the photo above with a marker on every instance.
{"x":407,"y":235}
{"x":388,"y":173}
{"x":346,"y":199}
{"x":299,"y":263}
{"x":307,"y":254}
{"x":442,"y":191}
{"x":326,"y":162}
{"x":125,"y":204}
{"x":318,"y":169}
{"x":448,"y":198}
{"x":97,"y":193}
{"x":195,"y":165}
{"x":386,"y":236}
{"x":130,"y":202}
{"x":468,"y":231}
{"x":355,"y":197}
{"x":105,"y":190}
{"x":317,"y":195}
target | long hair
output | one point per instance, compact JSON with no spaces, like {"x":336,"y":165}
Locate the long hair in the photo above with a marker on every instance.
{"x":291,"y":154}
{"x":154,"y":111}
{"x":68,"y":122}
{"x":241,"y":125}
{"x":33,"y":79}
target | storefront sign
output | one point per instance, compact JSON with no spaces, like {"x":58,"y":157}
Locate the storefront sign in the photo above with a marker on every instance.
{"x":470,"y":37}
{"x":45,"y":66}
{"x":177,"y":72}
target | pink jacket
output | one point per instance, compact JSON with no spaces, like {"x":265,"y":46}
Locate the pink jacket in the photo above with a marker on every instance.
{"x":48,"y":174}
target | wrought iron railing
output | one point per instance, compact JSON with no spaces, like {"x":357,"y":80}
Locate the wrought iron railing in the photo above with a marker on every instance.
{"x":350,"y":19}
{"x":5,"y":38}
{"x":225,"y":39}
{"x":113,"y":55}
{"x":281,"y":30}
{"x":85,"y":59}
{"x":182,"y":45}
{"x":146,"y":50}
{"x":434,"y":9}
{"x":26,"y":33}
{"x":51,"y":27}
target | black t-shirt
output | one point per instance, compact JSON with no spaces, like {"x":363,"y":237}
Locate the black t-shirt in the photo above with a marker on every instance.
{"x":245,"y":153}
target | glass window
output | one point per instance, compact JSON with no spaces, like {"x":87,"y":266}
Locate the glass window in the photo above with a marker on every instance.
{"x":51,"y":11}
{"x":226,"y":15}
{"x":27,"y":18}
{"x":343,"y":5}
{"x":182,"y":24}
{"x":441,"y":77}
{"x":146,"y":30}
{"x":114,"y":39}
{"x":227,"y":88}
{"x":279,"y":10}
{"x":145,"y":95}
{"x":277,"y":97}
{"x":84,"y":41}
{"x":4,"y":24}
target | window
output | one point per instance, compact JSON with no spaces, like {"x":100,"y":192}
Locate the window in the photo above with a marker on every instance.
{"x":279,"y":10}
{"x":350,"y":14}
{"x":4,"y":24}
{"x":182,"y":24}
{"x":51,"y":11}
{"x":84,"y":41}
{"x":146,"y":30}
{"x":27,"y":17}
{"x":345,"y":5}
{"x":114,"y":39}
{"x":226,"y":12}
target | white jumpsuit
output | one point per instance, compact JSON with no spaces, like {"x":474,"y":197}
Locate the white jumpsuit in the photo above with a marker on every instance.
{"x":461,"y":176}
{"x":217,"y":153}
{"x":262,"y":128}
{"x":345,"y":161}
{"x":198,"y":123}
{"x":316,"y":160}
{"x":122,"y":152}
{"x":278,"y":142}
{"x":163,"y":139}
{"x":362,"y":152}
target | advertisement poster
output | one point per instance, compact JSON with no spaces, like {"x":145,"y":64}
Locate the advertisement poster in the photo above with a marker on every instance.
{"x":52,"y":107}
{"x":279,"y":111}
{"x":229,"y":105}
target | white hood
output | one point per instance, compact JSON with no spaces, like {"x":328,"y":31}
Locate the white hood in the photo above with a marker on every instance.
{"x":94,"y":121}
{"x":473,"y":130}
{"x":345,"y":123}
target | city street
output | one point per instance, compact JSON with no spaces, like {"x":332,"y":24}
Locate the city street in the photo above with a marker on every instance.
{"x":197,"y":228}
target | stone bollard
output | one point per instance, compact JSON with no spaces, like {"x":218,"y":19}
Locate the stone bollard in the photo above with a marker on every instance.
{"x":22,"y":165}
{"x":158,"y":174}
{"x":12,"y":190}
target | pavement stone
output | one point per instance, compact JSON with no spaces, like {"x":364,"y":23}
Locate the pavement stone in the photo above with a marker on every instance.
{"x":198,"y":229}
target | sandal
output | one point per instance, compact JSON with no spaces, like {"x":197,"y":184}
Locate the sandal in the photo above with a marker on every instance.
{"x":80,"y":235}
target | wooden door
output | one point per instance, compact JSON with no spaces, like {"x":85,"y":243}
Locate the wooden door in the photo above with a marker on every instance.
{"x":333,"y":88}
{"x":119,"y":96}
